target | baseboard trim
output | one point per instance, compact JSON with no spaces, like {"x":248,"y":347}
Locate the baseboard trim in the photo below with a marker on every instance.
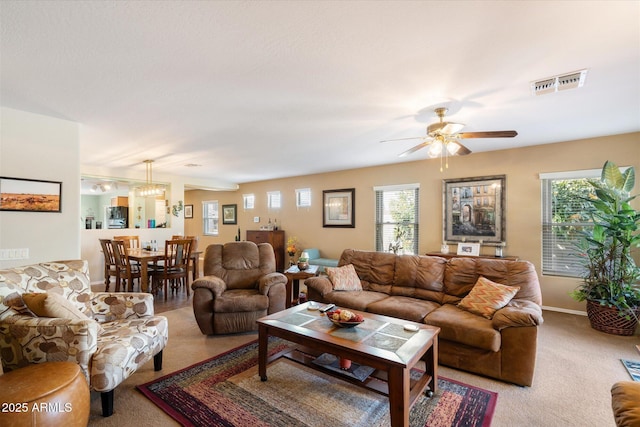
{"x":564,"y":310}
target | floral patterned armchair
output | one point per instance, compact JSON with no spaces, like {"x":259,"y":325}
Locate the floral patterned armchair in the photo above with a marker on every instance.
{"x":117,"y":332}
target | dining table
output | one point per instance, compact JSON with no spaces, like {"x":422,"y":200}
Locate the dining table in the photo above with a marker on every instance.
{"x":145,"y":256}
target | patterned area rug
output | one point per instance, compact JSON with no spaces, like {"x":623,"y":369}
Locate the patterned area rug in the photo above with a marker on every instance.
{"x":226,"y":391}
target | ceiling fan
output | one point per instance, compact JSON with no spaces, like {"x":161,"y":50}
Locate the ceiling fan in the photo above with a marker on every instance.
{"x":442,"y":138}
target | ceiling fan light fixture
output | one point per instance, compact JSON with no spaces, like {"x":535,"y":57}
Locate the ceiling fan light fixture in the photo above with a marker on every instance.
{"x":452,"y":148}
{"x":435,"y":149}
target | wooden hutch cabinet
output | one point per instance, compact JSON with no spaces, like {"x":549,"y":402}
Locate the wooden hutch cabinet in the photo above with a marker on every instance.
{"x":274,"y":238}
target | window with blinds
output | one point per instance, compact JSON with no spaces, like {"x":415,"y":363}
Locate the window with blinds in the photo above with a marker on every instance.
{"x":397,"y":214}
{"x":565,"y":216}
{"x":303,"y":197}
{"x":274,"y":201}
{"x":210,"y":218}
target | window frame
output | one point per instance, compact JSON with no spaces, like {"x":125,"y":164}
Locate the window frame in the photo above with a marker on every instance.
{"x":272,"y":196}
{"x":380,"y":224}
{"x":556,"y":254}
{"x":300,"y":192}
{"x":215,"y":218}
{"x":248,"y":201}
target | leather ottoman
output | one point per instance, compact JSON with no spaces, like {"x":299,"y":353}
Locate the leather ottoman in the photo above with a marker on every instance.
{"x":625,"y":402}
{"x":46,"y":394}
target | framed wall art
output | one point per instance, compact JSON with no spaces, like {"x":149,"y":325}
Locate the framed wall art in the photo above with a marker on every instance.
{"x":188,"y":211}
{"x":473,"y":209}
{"x":339,"y":208}
{"x":30,"y":195}
{"x":229,"y":214}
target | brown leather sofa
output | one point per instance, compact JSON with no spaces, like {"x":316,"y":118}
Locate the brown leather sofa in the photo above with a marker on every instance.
{"x":625,"y":402}
{"x":428,"y":288}
{"x":240,"y":285}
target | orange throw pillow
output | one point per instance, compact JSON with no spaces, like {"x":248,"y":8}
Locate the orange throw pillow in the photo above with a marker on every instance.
{"x":487,"y":297}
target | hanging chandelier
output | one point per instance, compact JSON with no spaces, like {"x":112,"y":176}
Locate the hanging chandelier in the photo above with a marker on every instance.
{"x":150,"y":189}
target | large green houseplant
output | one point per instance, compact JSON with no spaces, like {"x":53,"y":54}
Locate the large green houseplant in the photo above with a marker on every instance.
{"x":610,"y":284}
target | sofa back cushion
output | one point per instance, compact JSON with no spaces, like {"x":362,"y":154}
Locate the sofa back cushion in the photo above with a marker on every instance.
{"x":69,"y":279}
{"x":239,"y":264}
{"x":462,"y":273}
{"x":419,"y":276}
{"x":376,"y":270}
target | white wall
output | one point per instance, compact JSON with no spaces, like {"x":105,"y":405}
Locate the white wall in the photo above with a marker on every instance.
{"x":39,"y":147}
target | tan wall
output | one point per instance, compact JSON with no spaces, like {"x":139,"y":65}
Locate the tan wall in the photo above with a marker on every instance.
{"x":523,"y":205}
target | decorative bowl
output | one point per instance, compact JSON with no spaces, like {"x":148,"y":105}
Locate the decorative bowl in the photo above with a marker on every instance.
{"x":341,"y":323}
{"x":303,"y":265}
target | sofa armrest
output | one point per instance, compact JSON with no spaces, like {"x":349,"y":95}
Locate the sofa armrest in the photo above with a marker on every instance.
{"x":213,"y":283}
{"x":625,"y":396}
{"x":29,"y":340}
{"x":321,"y":285}
{"x":110,"y":306}
{"x":518,"y":313}
{"x":268,"y":280}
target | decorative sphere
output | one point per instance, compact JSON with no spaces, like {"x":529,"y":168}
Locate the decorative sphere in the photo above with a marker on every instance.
{"x":303,"y":265}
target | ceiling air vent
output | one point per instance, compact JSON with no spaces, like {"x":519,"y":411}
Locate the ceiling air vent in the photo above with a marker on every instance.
{"x":557,"y":83}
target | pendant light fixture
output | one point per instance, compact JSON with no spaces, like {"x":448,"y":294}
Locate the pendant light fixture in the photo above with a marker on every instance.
{"x":150,"y":189}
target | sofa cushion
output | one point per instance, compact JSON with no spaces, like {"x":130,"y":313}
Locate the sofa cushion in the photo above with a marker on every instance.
{"x":487,"y":297}
{"x":124,"y":346}
{"x":376,"y":270}
{"x":420,"y":277}
{"x":344,"y":278}
{"x":357,"y":300}
{"x":403,"y":307}
{"x":463,"y":327}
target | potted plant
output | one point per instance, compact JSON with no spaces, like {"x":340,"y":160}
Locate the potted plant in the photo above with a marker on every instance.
{"x":610,"y":284}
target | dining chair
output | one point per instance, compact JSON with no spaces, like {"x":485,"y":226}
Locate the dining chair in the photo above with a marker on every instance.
{"x":174,"y":268}
{"x":131,"y":242}
{"x":110,"y":268}
{"x":193,"y":265}
{"x":126,"y":271}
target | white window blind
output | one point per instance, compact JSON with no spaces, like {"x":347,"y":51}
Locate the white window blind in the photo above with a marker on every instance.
{"x":565,"y":216}
{"x":249,"y":201}
{"x":210,"y":218}
{"x":303,"y":197}
{"x":397,"y":218}
{"x":274,"y":201}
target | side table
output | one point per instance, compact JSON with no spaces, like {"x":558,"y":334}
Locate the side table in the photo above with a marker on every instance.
{"x":294,"y":274}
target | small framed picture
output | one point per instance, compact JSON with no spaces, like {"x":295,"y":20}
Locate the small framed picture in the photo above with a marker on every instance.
{"x":229,"y":214}
{"x":188,"y":211}
{"x":469,"y":249}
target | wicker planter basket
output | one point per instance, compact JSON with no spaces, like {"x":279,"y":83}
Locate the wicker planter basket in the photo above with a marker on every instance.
{"x":606,"y":319}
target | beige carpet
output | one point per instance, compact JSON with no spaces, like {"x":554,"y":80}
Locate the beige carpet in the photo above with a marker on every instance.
{"x":576,"y":368}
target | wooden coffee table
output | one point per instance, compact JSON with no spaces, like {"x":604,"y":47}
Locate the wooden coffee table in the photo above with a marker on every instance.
{"x":380,"y":342}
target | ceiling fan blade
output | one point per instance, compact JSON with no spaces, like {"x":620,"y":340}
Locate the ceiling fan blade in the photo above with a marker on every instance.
{"x":491,"y":134}
{"x":403,"y":139}
{"x":462,"y":151}
{"x":414,"y":149}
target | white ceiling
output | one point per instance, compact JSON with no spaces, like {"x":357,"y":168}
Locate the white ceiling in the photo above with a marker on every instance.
{"x":255,"y":90}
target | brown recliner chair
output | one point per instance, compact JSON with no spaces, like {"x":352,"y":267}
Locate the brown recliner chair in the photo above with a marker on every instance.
{"x":240,"y":285}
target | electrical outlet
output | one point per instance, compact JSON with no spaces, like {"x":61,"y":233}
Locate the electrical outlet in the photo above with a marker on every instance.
{"x":256,"y":219}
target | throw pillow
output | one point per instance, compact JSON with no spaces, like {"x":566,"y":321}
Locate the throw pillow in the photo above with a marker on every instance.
{"x":344,"y":278}
{"x":487,"y":297}
{"x":45,"y":304}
